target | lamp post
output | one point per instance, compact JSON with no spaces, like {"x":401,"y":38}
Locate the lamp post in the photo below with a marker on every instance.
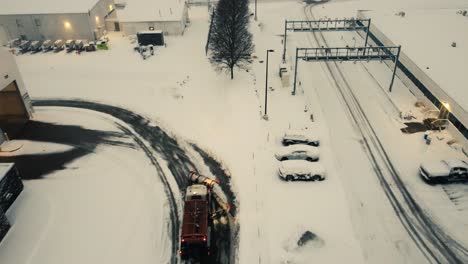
{"x":255,"y":10}
{"x":265,"y":116}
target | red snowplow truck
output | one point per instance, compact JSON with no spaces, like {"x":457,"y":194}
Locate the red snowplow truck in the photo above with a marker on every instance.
{"x":196,"y":228}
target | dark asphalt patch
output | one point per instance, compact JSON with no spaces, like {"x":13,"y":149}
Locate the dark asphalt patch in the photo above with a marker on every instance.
{"x":178,"y":162}
{"x":83,"y":142}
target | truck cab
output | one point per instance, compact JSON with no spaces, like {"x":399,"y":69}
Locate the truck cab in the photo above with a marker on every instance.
{"x":196,"y":229}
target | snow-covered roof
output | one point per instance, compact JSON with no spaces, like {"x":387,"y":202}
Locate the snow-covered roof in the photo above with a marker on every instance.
{"x":426,"y":36}
{"x":16,"y":7}
{"x":5,"y":168}
{"x":298,"y":147}
{"x":300,"y":134}
{"x":151,"y":10}
{"x":301,"y":166}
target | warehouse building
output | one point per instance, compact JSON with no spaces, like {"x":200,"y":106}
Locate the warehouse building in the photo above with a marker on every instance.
{"x":52,"y":19}
{"x":169,"y":16}
{"x":15,"y":104}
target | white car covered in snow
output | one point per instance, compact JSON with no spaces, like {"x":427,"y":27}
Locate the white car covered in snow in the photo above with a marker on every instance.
{"x":293,"y":170}
{"x":444,"y":170}
{"x":300,"y":137}
{"x":298,"y":152}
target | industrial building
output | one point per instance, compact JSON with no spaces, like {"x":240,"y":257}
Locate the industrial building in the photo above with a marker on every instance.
{"x":15,"y":104}
{"x":169,"y":16}
{"x":52,"y":19}
{"x":431,"y":64}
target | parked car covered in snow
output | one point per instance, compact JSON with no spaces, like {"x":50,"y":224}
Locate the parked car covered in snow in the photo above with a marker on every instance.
{"x":35,"y":46}
{"x":58,"y":45}
{"x":298,"y":152}
{"x":79,"y":45}
{"x":24,"y":46}
{"x":70,"y":45}
{"x":448,"y":170}
{"x":293,"y":170}
{"x":14,"y":43}
{"x":300,"y":137}
{"x":47,"y":45}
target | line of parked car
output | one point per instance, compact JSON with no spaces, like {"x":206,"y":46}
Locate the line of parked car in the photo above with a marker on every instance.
{"x":35,"y":46}
{"x":299,"y":157}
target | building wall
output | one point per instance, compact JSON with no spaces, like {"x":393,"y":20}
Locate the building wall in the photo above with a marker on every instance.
{"x":52,"y":26}
{"x":408,"y":65}
{"x":9,"y":73}
{"x":98,"y":14}
{"x":3,"y":37}
{"x":168,"y":27}
{"x":47,"y":26}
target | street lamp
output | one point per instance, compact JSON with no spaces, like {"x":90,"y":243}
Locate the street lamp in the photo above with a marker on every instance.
{"x":255,"y":10}
{"x":265,"y":116}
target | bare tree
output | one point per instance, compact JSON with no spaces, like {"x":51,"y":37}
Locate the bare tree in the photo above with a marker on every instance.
{"x":230,"y":40}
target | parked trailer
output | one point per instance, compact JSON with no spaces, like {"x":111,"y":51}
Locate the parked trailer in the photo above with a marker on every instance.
{"x":155,"y":38}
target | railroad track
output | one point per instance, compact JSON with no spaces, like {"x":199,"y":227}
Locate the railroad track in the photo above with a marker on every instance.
{"x":435,"y":244}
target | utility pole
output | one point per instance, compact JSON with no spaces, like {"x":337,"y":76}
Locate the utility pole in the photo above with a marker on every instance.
{"x":285,"y":39}
{"x":295,"y":73}
{"x":397,"y":58}
{"x":265,"y":116}
{"x":255,"y":10}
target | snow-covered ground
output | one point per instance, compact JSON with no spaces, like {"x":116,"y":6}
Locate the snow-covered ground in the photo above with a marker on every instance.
{"x":379,"y":232}
{"x":348,"y":212}
{"x":105,"y":207}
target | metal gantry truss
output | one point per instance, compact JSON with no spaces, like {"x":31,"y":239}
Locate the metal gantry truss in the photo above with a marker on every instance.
{"x":352,"y":24}
{"x":348,"y":54}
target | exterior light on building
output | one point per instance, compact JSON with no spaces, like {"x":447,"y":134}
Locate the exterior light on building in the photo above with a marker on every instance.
{"x":110,"y":7}
{"x":446,"y":105}
{"x":97,"y":19}
{"x":67,"y":25}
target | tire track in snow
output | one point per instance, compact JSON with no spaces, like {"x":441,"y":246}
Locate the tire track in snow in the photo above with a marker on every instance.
{"x":179,"y":163}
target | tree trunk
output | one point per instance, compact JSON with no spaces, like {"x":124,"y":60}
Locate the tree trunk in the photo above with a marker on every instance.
{"x":232,"y":72}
